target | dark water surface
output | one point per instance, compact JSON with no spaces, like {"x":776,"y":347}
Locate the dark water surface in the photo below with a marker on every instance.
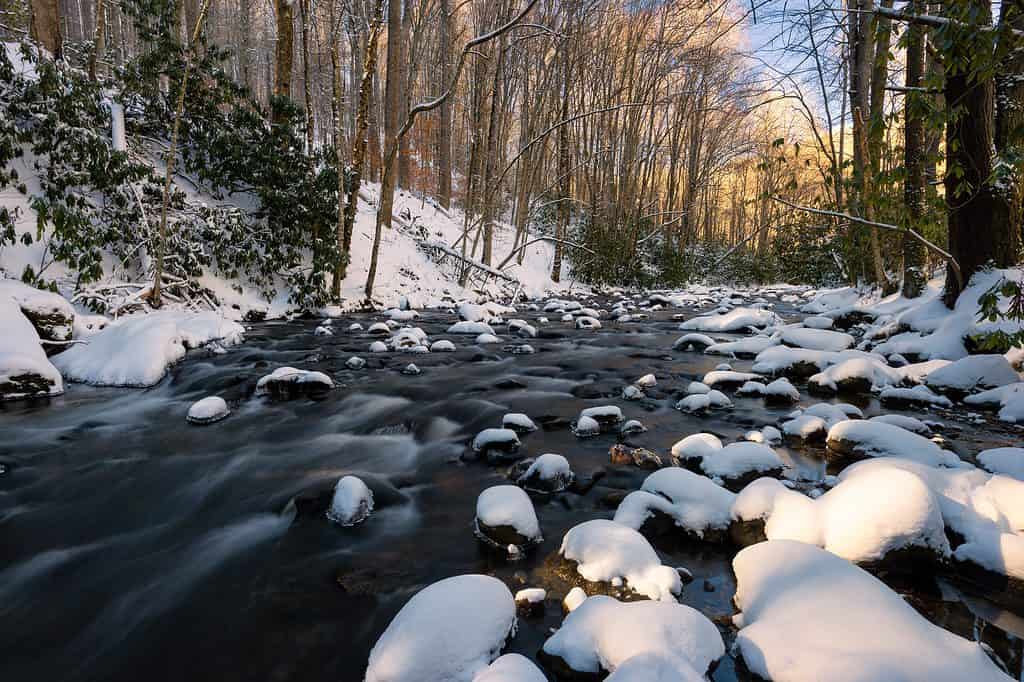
{"x":134,"y":546}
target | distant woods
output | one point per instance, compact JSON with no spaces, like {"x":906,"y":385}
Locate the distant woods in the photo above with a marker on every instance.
{"x":645,"y":141}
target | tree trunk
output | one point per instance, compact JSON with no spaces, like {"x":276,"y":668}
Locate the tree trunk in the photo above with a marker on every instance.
{"x":347,"y":215}
{"x":403,"y":178}
{"x":307,"y":86}
{"x":99,"y":42}
{"x":1009,"y":134}
{"x":45,"y":26}
{"x":913,"y":155}
{"x":564,"y":175}
{"x":392,"y":105}
{"x":284,"y":49}
{"x":444,"y":132}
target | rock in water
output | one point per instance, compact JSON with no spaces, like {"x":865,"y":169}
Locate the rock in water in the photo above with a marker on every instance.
{"x":288,"y":382}
{"x":352,"y":502}
{"x":208,"y":410}
{"x":518,"y":422}
{"x":549,"y":473}
{"x":496,"y":444}
{"x":450,"y":630}
{"x":505,"y":516}
{"x":355,"y":362}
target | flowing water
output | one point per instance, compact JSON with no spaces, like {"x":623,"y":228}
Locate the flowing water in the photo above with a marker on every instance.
{"x":134,"y":546}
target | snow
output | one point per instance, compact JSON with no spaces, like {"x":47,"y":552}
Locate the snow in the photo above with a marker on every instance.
{"x":738,"y":459}
{"x":470,"y":328}
{"x":757,"y":499}
{"x":352,"y":502}
{"x":696,"y":387}
{"x":450,"y":630}
{"x":38,"y":302}
{"x":816,"y":339}
{"x":378,"y":347}
{"x":22,"y":354}
{"x":442,"y":346}
{"x":750,"y":346}
{"x":508,"y":505}
{"x":737,"y":319}
{"x":586,"y":426}
{"x":728,"y":377}
{"x":292,"y":375}
{"x":531,"y":595}
{"x":911,"y":424}
{"x":1009,"y":398}
{"x":573,"y":599}
{"x":696,"y":446}
{"x":874,"y":373}
{"x":818,"y":322}
{"x":918,"y":394}
{"x":752,"y":388}
{"x":587,"y":322}
{"x":878,"y":439}
{"x":781,"y":389}
{"x":605,"y":550}
{"x":693,"y":341}
{"x":483,"y":339}
{"x":1008,"y":461}
{"x":973,"y":373}
{"x":647,"y":381}
{"x":808,"y":615}
{"x":518,"y":421}
{"x":137,"y":351}
{"x":511,"y":668}
{"x":548,"y":468}
{"x":696,"y":503}
{"x":603,"y":413}
{"x":805,"y":426}
{"x":208,"y":410}
{"x":602,"y":634}
{"x":491,"y":438}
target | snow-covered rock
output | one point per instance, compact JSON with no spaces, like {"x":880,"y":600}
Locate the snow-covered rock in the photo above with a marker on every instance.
{"x":518,"y":422}
{"x":864,"y":438}
{"x":806,"y":427}
{"x":352,"y":502}
{"x":738,"y":463}
{"x":696,"y":447}
{"x":728,"y":378}
{"x":1009,"y":399}
{"x":973,"y":374}
{"x":573,"y":599}
{"x":1008,"y":461}
{"x":689,"y":501}
{"x":505,"y":516}
{"x":816,"y":339}
{"x":781,"y":391}
{"x":25,"y":371}
{"x":136,"y":351}
{"x":735,"y":320}
{"x":511,"y":668}
{"x":442,"y":346}
{"x":451,"y":630}
{"x":355,"y":362}
{"x":49,"y":313}
{"x":288,"y":382}
{"x":587,"y":322}
{"x":496,"y":444}
{"x":606,"y":551}
{"x":808,"y":615}
{"x":475,"y":328}
{"x":918,"y":396}
{"x":607,"y":416}
{"x":603,"y":635}
{"x":857,"y":375}
{"x":912,"y":424}
{"x":208,"y":410}
{"x":742,"y":348}
{"x":584,"y":427}
{"x":548,"y":473}
{"x":484,"y":339}
{"x":378,"y":347}
{"x":697,"y":342}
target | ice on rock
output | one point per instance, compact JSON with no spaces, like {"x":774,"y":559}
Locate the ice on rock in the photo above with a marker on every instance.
{"x":451,"y":630}
{"x":864,"y":438}
{"x":735,"y":320}
{"x":693,"y":502}
{"x":696,"y":447}
{"x":496,"y":444}
{"x":808,"y":615}
{"x":208,"y":410}
{"x":289,"y":381}
{"x":378,"y":347}
{"x":352,"y":502}
{"x":355,"y":362}
{"x":973,"y":374}
{"x":511,"y":668}
{"x":605,"y":550}
{"x":604,"y":634}
{"x":505,"y":516}
{"x":816,"y":339}
{"x":1008,"y":461}
{"x":518,"y":422}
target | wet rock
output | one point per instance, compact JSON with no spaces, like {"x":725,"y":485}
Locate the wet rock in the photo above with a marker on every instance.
{"x":352,"y":502}
{"x":623,"y":455}
{"x":632,"y":426}
{"x":411,"y":370}
{"x":505,"y":516}
{"x":530,"y":601}
{"x":355,"y":362}
{"x":746,"y":532}
{"x":585,"y":427}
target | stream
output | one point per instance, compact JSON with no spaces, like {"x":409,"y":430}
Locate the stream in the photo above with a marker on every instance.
{"x":138,"y":547}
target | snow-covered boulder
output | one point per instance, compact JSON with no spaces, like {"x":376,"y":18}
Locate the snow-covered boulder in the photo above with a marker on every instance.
{"x":587,"y":322}
{"x":486,"y":339}
{"x":806,"y":427}
{"x":50,"y":313}
{"x":548,"y":473}
{"x":608,"y":416}
{"x":719,"y":378}
{"x":695,"y":342}
{"x":973,"y":374}
{"x":496,"y":444}
{"x":695,"y":387}
{"x":739,"y":463}
{"x":818,"y":322}
{"x":735,"y":320}
{"x":25,"y":371}
{"x":647,"y":381}
{"x":378,"y":347}
{"x":1009,"y":399}
{"x":816,"y":339}
{"x":696,"y":447}
{"x":585,"y":427}
{"x":352,"y":502}
{"x":522,"y":328}
{"x":859,"y":438}
{"x":678,"y":499}
{"x":918,"y":396}
{"x":379,"y":328}
{"x":136,"y":351}
{"x":355,"y":362}
{"x":632,"y":392}
{"x":701,"y":402}
{"x":208,"y":410}
{"x":511,"y":668}
{"x":751,"y":388}
{"x":451,"y":630}
{"x":609,"y":552}
{"x":1008,"y":461}
{"x":475,"y":328}
{"x":289,"y":382}
{"x":857,"y":375}
{"x":442,"y":346}
{"x":781,"y":391}
{"x":505,"y":516}
{"x":518,"y":422}
{"x":606,"y":635}
{"x":742,"y":348}
{"x":808,"y":615}
{"x":912,"y":424}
